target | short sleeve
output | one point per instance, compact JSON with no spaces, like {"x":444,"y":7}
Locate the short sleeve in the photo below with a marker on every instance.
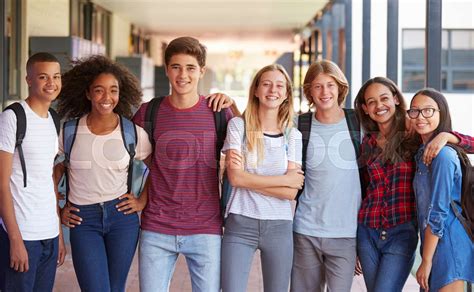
{"x":235,"y":134}
{"x":228,"y":114}
{"x":139,"y":117}
{"x":143,"y":149}
{"x":60,"y":157}
{"x":295,"y":146}
{"x":60,"y":142}
{"x":7,"y":131}
{"x":443,"y":169}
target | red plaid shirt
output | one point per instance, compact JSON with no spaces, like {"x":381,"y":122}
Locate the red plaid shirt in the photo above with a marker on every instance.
{"x":466,"y":142}
{"x":389,"y":199}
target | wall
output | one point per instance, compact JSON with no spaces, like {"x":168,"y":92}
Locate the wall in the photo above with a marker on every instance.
{"x":48,"y":17}
{"x":156,"y":50}
{"x":356,"y":81}
{"x":119,"y":37}
{"x":378,"y":39}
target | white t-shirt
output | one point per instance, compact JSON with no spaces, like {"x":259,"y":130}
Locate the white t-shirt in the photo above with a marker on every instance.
{"x":278,"y":150}
{"x":99,"y":164}
{"x":35,"y":205}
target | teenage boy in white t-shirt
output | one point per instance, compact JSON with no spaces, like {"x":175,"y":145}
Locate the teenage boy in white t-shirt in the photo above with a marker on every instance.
{"x":30,"y":239}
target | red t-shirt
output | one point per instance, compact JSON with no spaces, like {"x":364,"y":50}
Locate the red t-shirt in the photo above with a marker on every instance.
{"x":183,"y":197}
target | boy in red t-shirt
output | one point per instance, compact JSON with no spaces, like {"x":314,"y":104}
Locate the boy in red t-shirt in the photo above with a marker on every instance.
{"x":183,"y":212}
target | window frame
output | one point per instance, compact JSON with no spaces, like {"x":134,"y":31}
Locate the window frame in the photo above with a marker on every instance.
{"x":448,"y":69}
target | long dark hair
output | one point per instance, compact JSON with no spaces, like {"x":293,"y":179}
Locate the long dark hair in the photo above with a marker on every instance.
{"x":399,"y":146}
{"x":73,"y":102}
{"x":444,"y":115}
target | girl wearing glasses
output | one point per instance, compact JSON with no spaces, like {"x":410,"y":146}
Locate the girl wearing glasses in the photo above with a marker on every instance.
{"x":447,"y":250}
{"x":387,"y":232}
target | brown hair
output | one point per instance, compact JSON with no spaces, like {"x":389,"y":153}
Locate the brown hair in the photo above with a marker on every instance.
{"x":188,"y":46}
{"x":399,"y":146}
{"x":331,"y":69}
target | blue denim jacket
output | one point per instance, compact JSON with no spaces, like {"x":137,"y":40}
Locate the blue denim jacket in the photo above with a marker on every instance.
{"x":435,"y":186}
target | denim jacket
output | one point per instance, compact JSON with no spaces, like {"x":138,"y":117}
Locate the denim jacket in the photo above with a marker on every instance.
{"x":435,"y":186}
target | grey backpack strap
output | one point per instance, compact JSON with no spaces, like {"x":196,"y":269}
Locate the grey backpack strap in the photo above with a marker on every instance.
{"x":129,"y":137}
{"x":69,"y":136}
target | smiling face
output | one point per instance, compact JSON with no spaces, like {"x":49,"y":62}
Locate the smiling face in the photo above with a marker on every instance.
{"x":184,"y":73}
{"x":44,"y":81}
{"x":103,"y":94}
{"x":271,"y":91}
{"x":380,"y":103}
{"x":324,"y":92}
{"x":425,"y":126}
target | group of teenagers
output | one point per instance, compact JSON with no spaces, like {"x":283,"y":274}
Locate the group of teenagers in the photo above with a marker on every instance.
{"x":364,"y":196}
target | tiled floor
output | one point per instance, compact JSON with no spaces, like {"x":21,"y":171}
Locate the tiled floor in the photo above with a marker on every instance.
{"x":66,"y":279}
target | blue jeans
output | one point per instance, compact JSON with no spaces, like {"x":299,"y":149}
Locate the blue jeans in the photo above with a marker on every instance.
{"x":159,"y":252}
{"x":386,"y":255}
{"x":103,"y":246}
{"x":42,"y":261}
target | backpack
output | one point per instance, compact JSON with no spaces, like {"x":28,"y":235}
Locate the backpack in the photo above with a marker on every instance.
{"x":220,"y":122}
{"x":466,"y":216}
{"x":304,"y":126}
{"x":136,"y":169}
{"x":20,"y":114}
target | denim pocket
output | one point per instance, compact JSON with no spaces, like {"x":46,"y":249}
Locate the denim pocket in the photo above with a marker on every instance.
{"x":403,"y":239}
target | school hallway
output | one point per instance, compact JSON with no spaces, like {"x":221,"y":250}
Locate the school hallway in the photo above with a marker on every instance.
{"x":66,"y":279}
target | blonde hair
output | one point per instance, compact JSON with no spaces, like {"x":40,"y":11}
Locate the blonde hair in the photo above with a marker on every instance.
{"x":331,"y":69}
{"x":253,"y":127}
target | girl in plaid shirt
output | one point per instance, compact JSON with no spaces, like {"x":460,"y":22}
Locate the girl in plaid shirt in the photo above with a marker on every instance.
{"x":387,"y":233}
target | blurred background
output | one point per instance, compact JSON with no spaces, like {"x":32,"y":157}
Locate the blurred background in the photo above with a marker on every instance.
{"x":366,"y":38}
{"x":415,"y":43}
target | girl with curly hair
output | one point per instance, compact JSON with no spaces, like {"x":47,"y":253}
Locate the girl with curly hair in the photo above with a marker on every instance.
{"x":101,"y":214}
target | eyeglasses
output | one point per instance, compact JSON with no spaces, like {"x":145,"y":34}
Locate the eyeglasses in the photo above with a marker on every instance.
{"x":428,"y":112}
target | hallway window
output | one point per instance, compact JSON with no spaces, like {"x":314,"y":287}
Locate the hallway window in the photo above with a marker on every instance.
{"x":457,"y":64}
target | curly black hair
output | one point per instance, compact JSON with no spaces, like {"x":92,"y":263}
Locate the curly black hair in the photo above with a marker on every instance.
{"x":72,"y":101}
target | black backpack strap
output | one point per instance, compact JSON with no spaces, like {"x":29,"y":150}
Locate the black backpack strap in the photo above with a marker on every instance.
{"x":129,"y":138}
{"x":150,"y":117}
{"x":19,"y":111}
{"x":353,"y":125}
{"x":466,"y":203}
{"x":354,"y":129}
{"x":220,"y":121}
{"x":304,"y":126}
{"x":56,"y":119}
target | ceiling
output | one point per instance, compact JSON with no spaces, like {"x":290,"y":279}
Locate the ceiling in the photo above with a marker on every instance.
{"x":269,"y":23}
